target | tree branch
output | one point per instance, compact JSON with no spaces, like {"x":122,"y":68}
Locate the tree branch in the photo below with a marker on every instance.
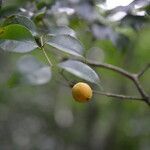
{"x":143,"y":70}
{"x":118,"y":95}
{"x":141,"y":90}
{"x":133,"y":77}
{"x":111,"y":67}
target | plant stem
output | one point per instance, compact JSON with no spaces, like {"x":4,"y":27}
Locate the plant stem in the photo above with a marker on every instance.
{"x":42,"y":47}
{"x":143,"y":70}
{"x":46,"y":56}
{"x":118,"y":95}
{"x":133,"y":77}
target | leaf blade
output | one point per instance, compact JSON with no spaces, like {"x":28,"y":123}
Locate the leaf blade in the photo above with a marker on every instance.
{"x":62,"y":30}
{"x":66,"y":43}
{"x":81,"y":70}
{"x":16,"y":38}
{"x":33,"y":72}
{"x":22,"y":20}
{"x":17,"y":46}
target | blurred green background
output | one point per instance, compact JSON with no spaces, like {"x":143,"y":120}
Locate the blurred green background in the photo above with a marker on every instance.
{"x":46,"y":117}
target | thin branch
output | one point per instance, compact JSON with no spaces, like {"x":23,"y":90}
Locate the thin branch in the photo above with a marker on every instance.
{"x":133,"y":77}
{"x":143,"y":70}
{"x":110,"y":67}
{"x":119,"y":96}
{"x":141,"y":90}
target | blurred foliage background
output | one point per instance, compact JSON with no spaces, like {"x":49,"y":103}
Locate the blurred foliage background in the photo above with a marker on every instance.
{"x":46,"y":117}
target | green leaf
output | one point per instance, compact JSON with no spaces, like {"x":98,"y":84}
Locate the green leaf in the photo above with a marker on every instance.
{"x":81,"y":70}
{"x":62,"y":30}
{"x":8,"y":10}
{"x":39,"y":15}
{"x":16,"y":38}
{"x":66,"y":44}
{"x":17,"y":46}
{"x":22,"y":20}
{"x":33,"y":72}
{"x":15,"y":32}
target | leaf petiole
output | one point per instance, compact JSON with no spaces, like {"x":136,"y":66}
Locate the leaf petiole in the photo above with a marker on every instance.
{"x":44,"y":52}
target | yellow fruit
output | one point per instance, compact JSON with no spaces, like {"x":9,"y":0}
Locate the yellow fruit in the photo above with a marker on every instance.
{"x":82,"y":92}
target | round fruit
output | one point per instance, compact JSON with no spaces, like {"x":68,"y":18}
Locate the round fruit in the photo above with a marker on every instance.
{"x":82,"y":92}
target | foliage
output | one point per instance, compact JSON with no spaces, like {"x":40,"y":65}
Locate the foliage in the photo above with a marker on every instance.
{"x":48,"y":45}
